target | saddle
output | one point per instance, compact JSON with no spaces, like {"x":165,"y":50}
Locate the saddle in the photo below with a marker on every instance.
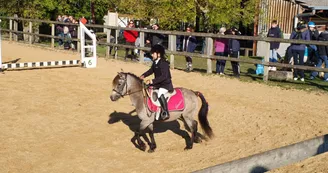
{"x":175,"y":100}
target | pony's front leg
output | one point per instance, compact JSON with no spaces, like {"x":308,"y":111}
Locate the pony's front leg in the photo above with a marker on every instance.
{"x":140,"y":144}
{"x":152,"y":145}
{"x":147,"y":124}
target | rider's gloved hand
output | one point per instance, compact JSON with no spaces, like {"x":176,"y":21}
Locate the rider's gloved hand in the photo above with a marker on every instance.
{"x":149,"y":82}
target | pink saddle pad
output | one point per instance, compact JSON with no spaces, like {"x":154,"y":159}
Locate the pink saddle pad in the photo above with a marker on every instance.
{"x":176,"y":102}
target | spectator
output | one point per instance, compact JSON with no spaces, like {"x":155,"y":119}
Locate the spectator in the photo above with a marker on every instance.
{"x":323,"y":54}
{"x":189,"y":45}
{"x":73,"y":32}
{"x":155,"y":38}
{"x":312,"y":49}
{"x":65,"y":18}
{"x":137,"y":44}
{"x":70,"y":18}
{"x":130,"y":38}
{"x":298,"y":50}
{"x":60,"y":30}
{"x":67,"y":34}
{"x":221,"y":49}
{"x":179,"y":39}
{"x":274,"y":32}
{"x":112,"y":40}
{"x":234,"y":48}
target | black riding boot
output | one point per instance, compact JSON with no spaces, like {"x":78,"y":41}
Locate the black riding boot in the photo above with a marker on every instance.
{"x":164,"y":113}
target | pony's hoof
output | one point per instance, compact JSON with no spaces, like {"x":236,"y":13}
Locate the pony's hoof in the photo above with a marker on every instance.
{"x":151,"y":151}
{"x":198,"y":140}
{"x":142,"y":147}
{"x":188,"y":148}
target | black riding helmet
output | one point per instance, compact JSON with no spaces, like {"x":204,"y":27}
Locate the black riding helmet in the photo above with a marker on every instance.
{"x":158,"y":49}
{"x":300,"y":25}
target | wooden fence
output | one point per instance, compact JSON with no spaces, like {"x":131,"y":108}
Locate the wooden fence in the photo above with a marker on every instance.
{"x":208,"y":55}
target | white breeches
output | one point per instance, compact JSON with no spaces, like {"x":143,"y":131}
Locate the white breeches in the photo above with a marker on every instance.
{"x":162,"y":91}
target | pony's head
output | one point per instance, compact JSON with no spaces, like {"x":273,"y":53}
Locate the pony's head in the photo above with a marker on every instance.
{"x":119,"y":86}
{"x":125,"y":84}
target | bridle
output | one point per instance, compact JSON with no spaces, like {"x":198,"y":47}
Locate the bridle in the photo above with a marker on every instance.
{"x":126,"y":88}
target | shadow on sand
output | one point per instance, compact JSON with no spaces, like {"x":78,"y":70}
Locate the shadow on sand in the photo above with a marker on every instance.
{"x":132,"y":121}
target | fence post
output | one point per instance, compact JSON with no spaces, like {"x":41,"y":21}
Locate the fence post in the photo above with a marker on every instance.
{"x":15,"y":28}
{"x":266,"y":59}
{"x":53,"y":34}
{"x":172,"y":47}
{"x":78,"y":39}
{"x":10,"y":28}
{"x":142,"y":44}
{"x":209,"y":52}
{"x":108,"y":41}
{"x":30,"y":31}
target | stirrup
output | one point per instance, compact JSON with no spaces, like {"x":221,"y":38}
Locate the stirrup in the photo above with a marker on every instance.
{"x":165,"y":117}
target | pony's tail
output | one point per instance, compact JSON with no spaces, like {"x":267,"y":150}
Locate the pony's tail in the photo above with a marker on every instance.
{"x":202,"y":116}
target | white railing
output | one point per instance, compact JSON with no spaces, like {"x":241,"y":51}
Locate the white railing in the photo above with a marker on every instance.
{"x":88,"y":62}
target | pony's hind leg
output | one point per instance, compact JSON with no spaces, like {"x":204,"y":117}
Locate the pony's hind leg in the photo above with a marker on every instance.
{"x":192,"y":125}
{"x":197,"y":139}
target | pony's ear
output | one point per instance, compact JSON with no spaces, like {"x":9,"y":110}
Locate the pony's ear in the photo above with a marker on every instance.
{"x":121,"y":75}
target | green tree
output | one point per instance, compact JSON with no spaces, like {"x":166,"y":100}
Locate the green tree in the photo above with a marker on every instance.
{"x":49,"y":9}
{"x":79,"y":8}
{"x":38,"y":9}
{"x":170,"y":12}
{"x":228,"y":12}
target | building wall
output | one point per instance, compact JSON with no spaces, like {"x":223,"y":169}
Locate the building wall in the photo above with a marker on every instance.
{"x":284,"y":11}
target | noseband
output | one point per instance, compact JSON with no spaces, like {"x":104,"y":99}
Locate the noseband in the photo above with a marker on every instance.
{"x":126,"y":88}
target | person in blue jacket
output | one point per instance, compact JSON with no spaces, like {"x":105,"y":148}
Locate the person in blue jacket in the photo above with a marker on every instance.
{"x":298,"y":50}
{"x":189,"y":45}
{"x":274,"y":32}
{"x":323,"y":54}
{"x":234,"y":48}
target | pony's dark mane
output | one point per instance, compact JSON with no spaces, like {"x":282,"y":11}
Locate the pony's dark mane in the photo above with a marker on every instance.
{"x":135,"y":76}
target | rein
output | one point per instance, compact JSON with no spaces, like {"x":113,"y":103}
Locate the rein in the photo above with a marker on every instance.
{"x":127,"y":93}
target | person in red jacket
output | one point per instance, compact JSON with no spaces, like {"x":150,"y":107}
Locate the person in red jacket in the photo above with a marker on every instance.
{"x":130,"y":38}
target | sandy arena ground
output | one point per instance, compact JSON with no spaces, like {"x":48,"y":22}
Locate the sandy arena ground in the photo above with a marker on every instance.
{"x":56,"y":120}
